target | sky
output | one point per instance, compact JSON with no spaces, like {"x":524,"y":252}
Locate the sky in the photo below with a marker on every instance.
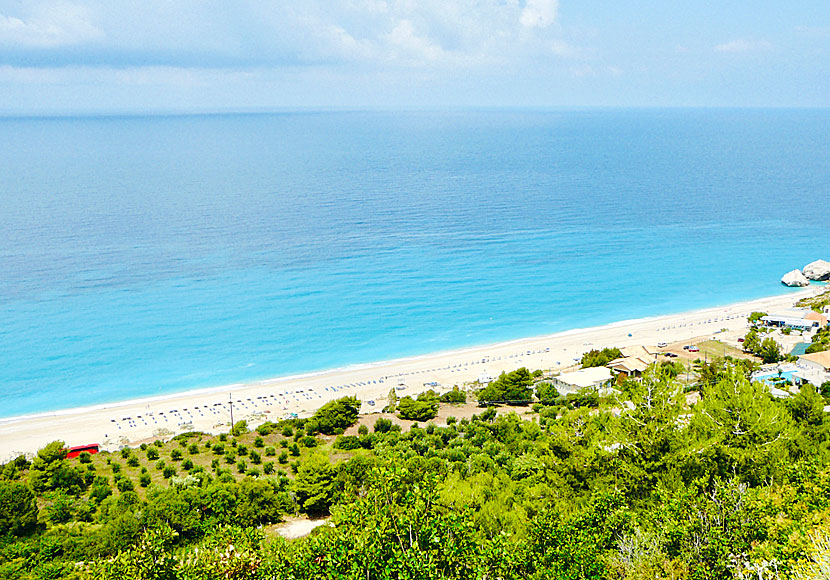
{"x":108,"y":56}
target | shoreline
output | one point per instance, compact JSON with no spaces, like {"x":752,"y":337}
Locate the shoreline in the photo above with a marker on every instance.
{"x":114,"y":424}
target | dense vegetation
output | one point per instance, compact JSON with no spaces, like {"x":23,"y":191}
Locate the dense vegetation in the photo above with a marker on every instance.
{"x":817,"y":303}
{"x":638,"y":485}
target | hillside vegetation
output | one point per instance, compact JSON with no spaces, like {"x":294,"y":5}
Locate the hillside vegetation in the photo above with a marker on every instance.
{"x":638,"y":485}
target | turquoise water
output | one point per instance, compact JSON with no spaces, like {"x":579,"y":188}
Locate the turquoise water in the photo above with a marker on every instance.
{"x":147,"y":255}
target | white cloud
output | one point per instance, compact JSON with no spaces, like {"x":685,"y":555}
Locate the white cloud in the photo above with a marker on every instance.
{"x":404,"y":43}
{"x":743,"y":45}
{"x":49,"y":26}
{"x":539,"y":13}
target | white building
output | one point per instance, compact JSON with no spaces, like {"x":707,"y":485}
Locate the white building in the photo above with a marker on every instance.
{"x":591,"y":377}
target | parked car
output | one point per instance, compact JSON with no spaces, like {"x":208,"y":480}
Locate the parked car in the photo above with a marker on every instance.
{"x":694,"y":349}
{"x":740,"y":340}
{"x":662,"y":344}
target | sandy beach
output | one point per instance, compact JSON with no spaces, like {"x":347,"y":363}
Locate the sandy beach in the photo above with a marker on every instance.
{"x":132,"y":422}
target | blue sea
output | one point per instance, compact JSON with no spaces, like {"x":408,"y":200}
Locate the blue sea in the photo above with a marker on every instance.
{"x":144,"y":255}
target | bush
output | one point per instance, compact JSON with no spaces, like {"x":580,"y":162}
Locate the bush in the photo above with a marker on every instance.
{"x":239,"y":428}
{"x":456,"y":395}
{"x":266,"y":428}
{"x":510,"y":388}
{"x":287,"y":431}
{"x":218,"y":449}
{"x":241,"y":466}
{"x":133,"y":461}
{"x":268,"y":467}
{"x":18,"y":508}
{"x":124,"y":484}
{"x":347,"y":442}
{"x":176,"y":455}
{"x":270,"y":451}
{"x":187,"y":464}
{"x":116,"y":467}
{"x":424,"y":408}
{"x":283,"y":458}
{"x":125,"y":452}
{"x":152,"y":453}
{"x":362,"y":430}
{"x":193,"y":449}
{"x":383,"y":425}
{"x":144,"y":479}
{"x":168,"y":472}
{"x":85,"y":457}
{"x":160,"y":464}
{"x":259,"y":442}
{"x":309,"y":441}
{"x":294,"y":450}
{"x":335,"y":416}
{"x":600,"y":358}
{"x":256,"y":459}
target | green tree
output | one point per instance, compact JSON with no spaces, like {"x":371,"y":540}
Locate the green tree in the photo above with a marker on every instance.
{"x":314,"y":485}
{"x":769,"y":351}
{"x":741,"y":430}
{"x":600,"y":358}
{"x":513,"y":388}
{"x":18,"y":508}
{"x":335,"y":416}
{"x":46,"y":464}
{"x":424,"y":408}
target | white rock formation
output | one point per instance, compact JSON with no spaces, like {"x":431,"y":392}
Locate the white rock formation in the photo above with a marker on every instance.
{"x":795,"y":278}
{"x":818,"y":270}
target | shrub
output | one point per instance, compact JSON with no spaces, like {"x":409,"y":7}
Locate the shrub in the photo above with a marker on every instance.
{"x":362,"y":430}
{"x":187,"y":464}
{"x":283,"y":458}
{"x":241,"y":466}
{"x":193,"y":449}
{"x":347,"y":442}
{"x":259,"y":442}
{"x":116,"y":467}
{"x":294,"y":450}
{"x":270,"y":451}
{"x":152,"y":453}
{"x":265,"y":429}
{"x":421,"y":409}
{"x":223,"y":437}
{"x":600,"y":358}
{"x":158,"y":443}
{"x":218,"y":449}
{"x":268,"y":467}
{"x":456,"y":395}
{"x":309,"y":441}
{"x":160,"y":464}
{"x":287,"y":431}
{"x":144,"y":479}
{"x":124,"y":484}
{"x":168,"y":472}
{"x":239,"y":428}
{"x":133,"y":461}
{"x":176,"y":455}
{"x":255,"y":457}
{"x":382,"y":425}
{"x":85,"y":457}
{"x":125,"y":452}
{"x":337,"y":415}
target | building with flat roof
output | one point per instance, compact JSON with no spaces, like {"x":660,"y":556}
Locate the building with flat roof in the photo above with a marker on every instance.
{"x":591,"y":377}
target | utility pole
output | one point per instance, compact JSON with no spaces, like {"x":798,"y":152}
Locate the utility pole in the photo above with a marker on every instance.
{"x":230,"y":399}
